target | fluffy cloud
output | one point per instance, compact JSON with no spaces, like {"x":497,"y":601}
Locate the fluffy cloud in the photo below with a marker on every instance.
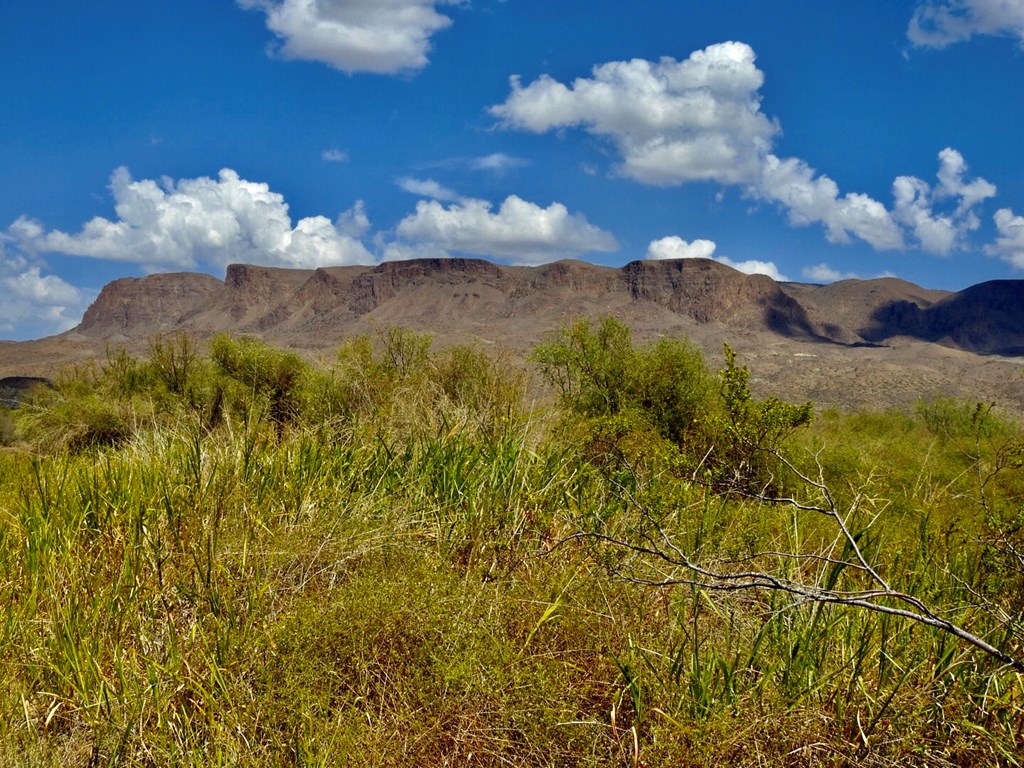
{"x":354,"y":222}
{"x":202,"y":223}
{"x":914,"y":202}
{"x":676,"y":248}
{"x":944,"y":22}
{"x":811,"y":199}
{"x":754,"y":267}
{"x":675,"y":122}
{"x":1010,"y":244}
{"x":672,"y":121}
{"x":334,"y":156}
{"x":379,"y":36}
{"x":519,"y":231}
{"x":34,"y":304}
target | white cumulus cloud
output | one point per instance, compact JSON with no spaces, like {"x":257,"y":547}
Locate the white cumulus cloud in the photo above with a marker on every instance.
{"x":33,"y":303}
{"x":754,"y":267}
{"x":815,"y":199}
{"x":940,"y":233}
{"x":377,"y":36}
{"x":672,"y":121}
{"x":675,"y":122}
{"x":1009,"y":246}
{"x":202,"y":222}
{"x":939,"y":23}
{"x":519,"y":231}
{"x":674,"y":247}
{"x":354,"y":222}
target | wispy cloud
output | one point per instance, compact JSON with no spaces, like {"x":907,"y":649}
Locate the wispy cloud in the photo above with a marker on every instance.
{"x":823,"y":273}
{"x":496,"y":162}
{"x":427,"y":188}
{"x":940,"y":23}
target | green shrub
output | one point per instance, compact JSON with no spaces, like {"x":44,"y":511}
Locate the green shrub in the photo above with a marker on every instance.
{"x":753,"y":430}
{"x":77,"y":415}
{"x":666,"y":388}
{"x":599,"y":373}
{"x":267,"y":378}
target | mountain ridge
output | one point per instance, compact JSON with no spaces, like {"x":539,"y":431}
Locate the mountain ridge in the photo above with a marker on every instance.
{"x":922,"y":337}
{"x":268,"y":300}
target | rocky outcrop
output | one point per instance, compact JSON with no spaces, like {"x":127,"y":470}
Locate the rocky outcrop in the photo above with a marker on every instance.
{"x":152,"y":304}
{"x":316,"y":307}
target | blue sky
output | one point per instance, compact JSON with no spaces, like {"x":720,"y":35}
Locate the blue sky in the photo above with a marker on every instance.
{"x":805,"y":139}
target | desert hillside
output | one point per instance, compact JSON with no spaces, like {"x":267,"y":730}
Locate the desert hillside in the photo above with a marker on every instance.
{"x":878,"y":343}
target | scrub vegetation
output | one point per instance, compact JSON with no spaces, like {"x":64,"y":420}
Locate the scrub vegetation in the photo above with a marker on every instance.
{"x":399,"y":557}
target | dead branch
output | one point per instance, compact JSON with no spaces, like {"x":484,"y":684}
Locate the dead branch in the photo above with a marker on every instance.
{"x":674,"y":567}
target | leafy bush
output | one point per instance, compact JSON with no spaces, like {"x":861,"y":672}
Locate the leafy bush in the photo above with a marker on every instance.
{"x":87,"y":407}
{"x":754,"y":430}
{"x":395,"y":382}
{"x":622,"y":391}
{"x":599,"y":373}
{"x":267,"y":379}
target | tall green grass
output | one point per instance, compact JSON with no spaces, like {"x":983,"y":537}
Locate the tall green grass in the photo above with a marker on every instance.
{"x":384,"y":573}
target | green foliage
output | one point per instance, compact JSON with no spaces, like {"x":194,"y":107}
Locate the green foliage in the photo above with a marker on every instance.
{"x":387,"y":575}
{"x":622,"y":391}
{"x":8,"y":432}
{"x":73,"y":418}
{"x":590,"y":367}
{"x":176,"y":364}
{"x":263,"y":375}
{"x":600,"y":375}
{"x":754,"y":430}
{"x":395,"y":382}
{"x":952,"y":419}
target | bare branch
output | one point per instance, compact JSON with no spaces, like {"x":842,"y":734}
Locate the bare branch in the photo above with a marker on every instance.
{"x":659,"y":552}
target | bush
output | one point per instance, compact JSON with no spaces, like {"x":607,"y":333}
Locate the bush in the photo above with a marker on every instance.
{"x":69,"y":420}
{"x":266,"y":376}
{"x":623,"y":391}
{"x":753,"y":430}
{"x":396,"y":383}
{"x":599,"y":373}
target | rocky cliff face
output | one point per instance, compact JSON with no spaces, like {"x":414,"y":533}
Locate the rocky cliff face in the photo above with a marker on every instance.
{"x":875,"y":343}
{"x":303,"y":307}
{"x":149,"y":304}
